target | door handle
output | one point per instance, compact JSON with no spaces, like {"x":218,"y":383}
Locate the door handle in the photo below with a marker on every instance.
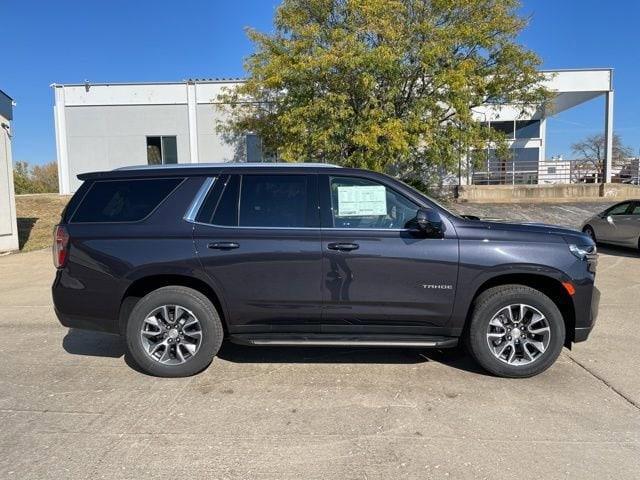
{"x":223,"y":245}
{"x":344,"y":247}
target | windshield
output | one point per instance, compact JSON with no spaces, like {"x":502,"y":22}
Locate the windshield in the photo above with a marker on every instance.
{"x":430,"y":200}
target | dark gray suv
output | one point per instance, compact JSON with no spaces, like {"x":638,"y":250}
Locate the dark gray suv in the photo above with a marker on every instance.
{"x":178,"y":258}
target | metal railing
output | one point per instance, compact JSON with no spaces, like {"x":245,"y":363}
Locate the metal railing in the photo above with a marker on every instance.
{"x":549,"y":172}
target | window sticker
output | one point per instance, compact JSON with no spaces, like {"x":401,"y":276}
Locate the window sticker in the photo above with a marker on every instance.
{"x":356,"y":201}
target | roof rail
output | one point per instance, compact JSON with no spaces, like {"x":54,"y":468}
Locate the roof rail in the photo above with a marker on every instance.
{"x":228,"y":165}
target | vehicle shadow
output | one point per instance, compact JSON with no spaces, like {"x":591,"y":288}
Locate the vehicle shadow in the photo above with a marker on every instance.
{"x":454,"y":357}
{"x":93,"y":344}
{"x":616,"y":251}
{"x":99,"y":344}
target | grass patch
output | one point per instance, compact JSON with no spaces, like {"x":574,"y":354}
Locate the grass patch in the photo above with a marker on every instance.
{"x":37,"y":214}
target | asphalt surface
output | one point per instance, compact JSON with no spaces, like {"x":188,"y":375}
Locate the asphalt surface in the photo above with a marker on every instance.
{"x":567,"y":214}
{"x":71,"y":407}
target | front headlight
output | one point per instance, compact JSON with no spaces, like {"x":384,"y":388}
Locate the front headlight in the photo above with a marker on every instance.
{"x":581,"y":252}
{"x":588,"y":253}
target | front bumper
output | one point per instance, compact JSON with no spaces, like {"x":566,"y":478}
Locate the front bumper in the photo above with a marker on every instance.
{"x":582,"y":332}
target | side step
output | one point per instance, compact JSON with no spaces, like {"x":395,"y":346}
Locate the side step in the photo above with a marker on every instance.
{"x":344,"y":340}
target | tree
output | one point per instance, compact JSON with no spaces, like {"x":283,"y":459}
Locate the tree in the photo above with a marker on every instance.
{"x":21,"y":181}
{"x":592,"y":151}
{"x":46,"y":177}
{"x":39,"y":179}
{"x":388,"y":85}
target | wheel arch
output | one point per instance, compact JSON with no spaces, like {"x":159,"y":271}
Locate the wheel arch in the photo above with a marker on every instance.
{"x":550,"y":286}
{"x":590,"y":226}
{"x":144,"y":285}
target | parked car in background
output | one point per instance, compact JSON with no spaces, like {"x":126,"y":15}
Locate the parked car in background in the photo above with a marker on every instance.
{"x":617,"y":225}
{"x":178,"y":258}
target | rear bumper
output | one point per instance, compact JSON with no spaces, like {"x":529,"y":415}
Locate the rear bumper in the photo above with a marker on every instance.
{"x":585,"y":325}
{"x":85,"y":323}
{"x":75,"y":307}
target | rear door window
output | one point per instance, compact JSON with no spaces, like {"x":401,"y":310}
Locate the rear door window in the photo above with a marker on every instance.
{"x":281,"y":201}
{"x":123,"y":200}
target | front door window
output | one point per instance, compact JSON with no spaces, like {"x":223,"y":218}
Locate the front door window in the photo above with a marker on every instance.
{"x":361,"y":203}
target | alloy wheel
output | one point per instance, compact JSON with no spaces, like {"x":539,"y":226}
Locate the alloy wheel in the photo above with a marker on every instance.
{"x":171,"y":334}
{"x":518,"y":334}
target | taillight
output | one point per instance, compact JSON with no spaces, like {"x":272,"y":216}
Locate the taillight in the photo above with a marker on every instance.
{"x":60,"y":246}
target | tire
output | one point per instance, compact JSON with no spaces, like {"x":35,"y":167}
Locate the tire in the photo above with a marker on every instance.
{"x":483,"y":342}
{"x":190,"y":304}
{"x":589,"y":231}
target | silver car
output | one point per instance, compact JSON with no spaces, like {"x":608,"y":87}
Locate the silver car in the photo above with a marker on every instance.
{"x":618,"y":224}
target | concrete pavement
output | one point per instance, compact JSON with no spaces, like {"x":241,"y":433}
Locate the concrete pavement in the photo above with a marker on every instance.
{"x":70,"y":406}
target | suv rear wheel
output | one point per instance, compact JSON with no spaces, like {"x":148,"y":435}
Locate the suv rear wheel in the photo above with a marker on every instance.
{"x":515,"y":331}
{"x":173,"y":332}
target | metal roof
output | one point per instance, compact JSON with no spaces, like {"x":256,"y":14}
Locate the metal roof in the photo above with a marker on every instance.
{"x":171,"y":82}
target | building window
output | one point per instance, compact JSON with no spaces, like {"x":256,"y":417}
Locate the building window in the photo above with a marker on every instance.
{"x":162,"y":150}
{"x":516,"y":130}
{"x":528,"y":129}
{"x":526,"y":158}
{"x":503,"y":127}
{"x":254,"y":147}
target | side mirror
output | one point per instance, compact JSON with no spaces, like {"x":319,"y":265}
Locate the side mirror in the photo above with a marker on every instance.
{"x":609,"y":219}
{"x":429,"y":221}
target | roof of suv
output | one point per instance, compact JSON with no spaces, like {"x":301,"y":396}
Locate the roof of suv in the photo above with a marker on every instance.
{"x":196,"y":169}
{"x":228,"y":165}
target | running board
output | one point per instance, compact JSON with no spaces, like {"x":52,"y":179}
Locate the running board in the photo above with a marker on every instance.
{"x":332,"y":340}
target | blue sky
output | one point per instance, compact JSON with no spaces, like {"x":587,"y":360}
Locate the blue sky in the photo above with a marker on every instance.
{"x":117,"y":40}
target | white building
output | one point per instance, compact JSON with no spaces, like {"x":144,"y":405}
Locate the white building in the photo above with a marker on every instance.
{"x":105,"y":126}
{"x":529,"y":163}
{"x":8,"y":226}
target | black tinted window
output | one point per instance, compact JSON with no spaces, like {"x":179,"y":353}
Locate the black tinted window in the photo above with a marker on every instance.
{"x":211,"y":201}
{"x":123,"y":200}
{"x":274,"y":201}
{"x":227,"y":210}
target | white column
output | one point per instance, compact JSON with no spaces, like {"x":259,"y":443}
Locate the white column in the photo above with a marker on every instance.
{"x":193,"y":120}
{"x":542,"y":150}
{"x":64,"y":182}
{"x":608,"y":135}
{"x":8,"y":225}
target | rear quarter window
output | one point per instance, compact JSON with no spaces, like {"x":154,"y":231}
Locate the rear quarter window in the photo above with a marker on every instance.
{"x":123,"y":200}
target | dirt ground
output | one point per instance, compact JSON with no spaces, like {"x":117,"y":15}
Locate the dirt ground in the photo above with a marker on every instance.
{"x":37,"y":214}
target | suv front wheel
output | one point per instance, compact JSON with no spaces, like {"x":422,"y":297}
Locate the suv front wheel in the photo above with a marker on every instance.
{"x":173,"y":331}
{"x":515,"y":331}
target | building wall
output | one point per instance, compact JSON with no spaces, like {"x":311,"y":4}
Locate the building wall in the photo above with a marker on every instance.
{"x":8,"y":226}
{"x":211,"y":146}
{"x":102,"y":127}
{"x":108,"y":137}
